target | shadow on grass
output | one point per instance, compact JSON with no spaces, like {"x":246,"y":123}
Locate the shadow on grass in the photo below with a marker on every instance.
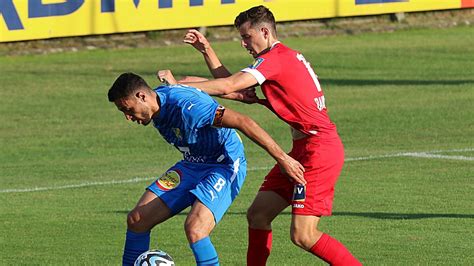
{"x":373,"y":215}
{"x":404,"y":216}
{"x":375,"y":82}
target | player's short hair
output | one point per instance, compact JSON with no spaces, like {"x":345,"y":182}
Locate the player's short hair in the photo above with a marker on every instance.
{"x":256,"y":15}
{"x":125,"y":85}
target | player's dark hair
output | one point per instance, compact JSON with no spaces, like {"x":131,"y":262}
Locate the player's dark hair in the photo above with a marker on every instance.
{"x":256,"y":15}
{"x":125,"y":85}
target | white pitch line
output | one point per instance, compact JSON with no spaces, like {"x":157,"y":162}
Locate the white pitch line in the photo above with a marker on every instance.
{"x":86,"y":184}
{"x":438,"y":156}
{"x":429,"y":155}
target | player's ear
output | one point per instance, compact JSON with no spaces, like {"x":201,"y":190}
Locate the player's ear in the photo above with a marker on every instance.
{"x":140,"y":95}
{"x":266,"y":32}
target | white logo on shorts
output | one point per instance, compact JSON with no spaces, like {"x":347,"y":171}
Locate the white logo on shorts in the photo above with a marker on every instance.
{"x":212,"y":195}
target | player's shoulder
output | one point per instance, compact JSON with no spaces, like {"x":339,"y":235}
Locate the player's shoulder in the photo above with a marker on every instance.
{"x":180,"y":96}
{"x":179,"y":92}
{"x":276,"y":53}
{"x":283,"y":49}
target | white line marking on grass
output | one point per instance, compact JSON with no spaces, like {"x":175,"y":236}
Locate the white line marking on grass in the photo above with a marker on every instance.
{"x":428,"y":154}
{"x":438,"y":156}
{"x":86,"y":184}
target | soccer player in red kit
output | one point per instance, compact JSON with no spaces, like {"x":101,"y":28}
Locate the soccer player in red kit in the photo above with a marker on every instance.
{"x":294,"y":94}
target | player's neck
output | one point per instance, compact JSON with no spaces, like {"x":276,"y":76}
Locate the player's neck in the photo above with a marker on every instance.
{"x":156,"y":105}
{"x":271,"y":42}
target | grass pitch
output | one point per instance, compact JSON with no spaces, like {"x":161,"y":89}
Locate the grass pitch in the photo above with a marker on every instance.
{"x":72,"y":167}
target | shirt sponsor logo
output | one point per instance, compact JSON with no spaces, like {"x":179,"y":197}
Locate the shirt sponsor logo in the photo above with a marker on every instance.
{"x":169,"y":180}
{"x":257,"y":63}
{"x":298,"y":206}
{"x":191,"y":106}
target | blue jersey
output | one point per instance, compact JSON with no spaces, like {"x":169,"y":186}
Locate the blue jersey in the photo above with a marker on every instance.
{"x":185,"y":121}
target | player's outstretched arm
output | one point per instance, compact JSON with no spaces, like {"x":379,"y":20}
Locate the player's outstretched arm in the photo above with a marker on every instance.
{"x":166,"y":76}
{"x":222,"y":86}
{"x":240,"y":85}
{"x":188,"y":79}
{"x":252,"y":130}
{"x":200,"y":43}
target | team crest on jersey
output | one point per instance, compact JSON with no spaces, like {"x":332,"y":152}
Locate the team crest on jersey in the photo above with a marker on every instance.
{"x":169,"y":180}
{"x":299,"y":193}
{"x":177,"y":133}
{"x":257,"y":62}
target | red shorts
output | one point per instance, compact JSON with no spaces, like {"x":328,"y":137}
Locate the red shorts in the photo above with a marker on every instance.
{"x":323,"y":161}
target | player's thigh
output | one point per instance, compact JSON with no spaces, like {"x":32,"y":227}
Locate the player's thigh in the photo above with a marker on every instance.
{"x":199,"y":222}
{"x":304,"y":224}
{"x":265,"y":207}
{"x":149,"y":211}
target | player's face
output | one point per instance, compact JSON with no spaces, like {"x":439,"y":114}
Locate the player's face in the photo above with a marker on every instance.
{"x":254,"y":39}
{"x":135,"y":109}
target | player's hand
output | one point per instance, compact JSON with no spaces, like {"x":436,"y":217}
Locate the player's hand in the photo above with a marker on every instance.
{"x":197,"y":40}
{"x":248,"y":96}
{"x":293,"y":169}
{"x":166,"y":77}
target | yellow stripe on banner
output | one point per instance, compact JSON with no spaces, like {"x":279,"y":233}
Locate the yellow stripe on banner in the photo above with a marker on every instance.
{"x":39,"y":19}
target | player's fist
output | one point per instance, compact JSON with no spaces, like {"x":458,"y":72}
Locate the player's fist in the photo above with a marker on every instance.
{"x":166,"y":77}
{"x":197,"y":40}
{"x":293,"y":169}
{"x":248,"y":95}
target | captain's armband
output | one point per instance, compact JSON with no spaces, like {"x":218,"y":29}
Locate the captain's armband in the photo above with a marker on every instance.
{"x":219,"y":116}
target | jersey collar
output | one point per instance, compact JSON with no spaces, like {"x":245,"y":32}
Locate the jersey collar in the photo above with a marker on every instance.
{"x":273,"y":44}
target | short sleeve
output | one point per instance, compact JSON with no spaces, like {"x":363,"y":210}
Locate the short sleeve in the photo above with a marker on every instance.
{"x":264,"y":68}
{"x":198,"y":110}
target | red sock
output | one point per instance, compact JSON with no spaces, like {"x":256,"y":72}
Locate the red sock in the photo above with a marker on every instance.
{"x":333,"y":252}
{"x":260,"y":245}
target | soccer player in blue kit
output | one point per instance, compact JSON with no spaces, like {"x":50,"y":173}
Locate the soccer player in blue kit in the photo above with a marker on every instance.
{"x":213,"y":168}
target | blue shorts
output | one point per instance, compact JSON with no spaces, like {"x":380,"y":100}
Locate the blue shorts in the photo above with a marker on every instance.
{"x":215,"y":185}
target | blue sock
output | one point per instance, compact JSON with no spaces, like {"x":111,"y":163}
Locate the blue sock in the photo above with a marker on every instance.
{"x":204,"y":252}
{"x":135,"y":244}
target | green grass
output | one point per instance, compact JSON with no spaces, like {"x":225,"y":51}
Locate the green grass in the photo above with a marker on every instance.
{"x":388,"y":93}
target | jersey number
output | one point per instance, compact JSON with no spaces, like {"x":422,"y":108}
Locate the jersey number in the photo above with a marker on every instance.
{"x":219,"y":184}
{"x":320,"y":101}
{"x":301,"y":58}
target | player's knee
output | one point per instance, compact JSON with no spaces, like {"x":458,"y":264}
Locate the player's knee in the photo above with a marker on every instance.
{"x":302,"y":239}
{"x":134,"y":222}
{"x":194,"y":231}
{"x":251,"y":216}
{"x":256,"y":218}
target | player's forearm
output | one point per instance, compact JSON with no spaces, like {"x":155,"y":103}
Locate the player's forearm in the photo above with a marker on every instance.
{"x":259,"y":136}
{"x":217,"y":69}
{"x":216,"y":87}
{"x":222,"y":86}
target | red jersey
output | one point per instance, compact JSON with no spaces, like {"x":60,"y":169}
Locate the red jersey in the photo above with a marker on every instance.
{"x":292,"y":90}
